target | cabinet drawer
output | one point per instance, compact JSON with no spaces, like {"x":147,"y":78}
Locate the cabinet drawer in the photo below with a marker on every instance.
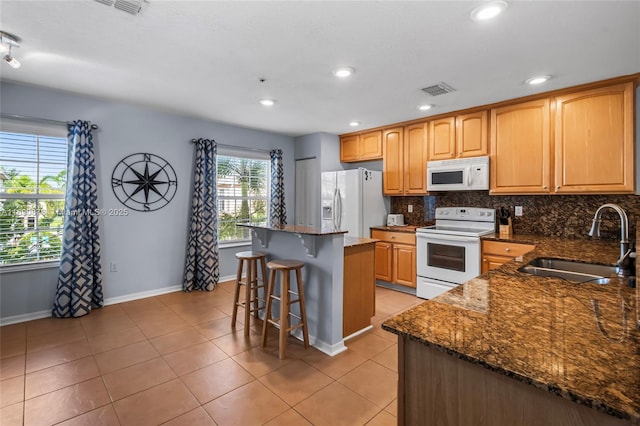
{"x":394,"y":237}
{"x":501,"y":248}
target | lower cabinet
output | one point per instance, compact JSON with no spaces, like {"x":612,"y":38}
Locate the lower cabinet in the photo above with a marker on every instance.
{"x":497,"y":253}
{"x":395,"y":257}
{"x":359,"y":288}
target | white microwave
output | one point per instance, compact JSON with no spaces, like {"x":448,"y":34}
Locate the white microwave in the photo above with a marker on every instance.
{"x":460,"y":174}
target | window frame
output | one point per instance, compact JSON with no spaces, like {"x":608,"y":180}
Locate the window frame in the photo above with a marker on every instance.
{"x":37,"y":129}
{"x":245,"y":154}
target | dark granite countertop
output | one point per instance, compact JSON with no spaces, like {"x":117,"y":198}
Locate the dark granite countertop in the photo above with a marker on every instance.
{"x":407,"y":228}
{"x":306,"y":230}
{"x":579,"y":341}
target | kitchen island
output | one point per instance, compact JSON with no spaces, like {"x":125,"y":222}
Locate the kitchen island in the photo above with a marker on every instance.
{"x":323,"y":252}
{"x":512,"y":348}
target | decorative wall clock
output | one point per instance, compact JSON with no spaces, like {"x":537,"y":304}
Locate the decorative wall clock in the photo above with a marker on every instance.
{"x":144,"y":182}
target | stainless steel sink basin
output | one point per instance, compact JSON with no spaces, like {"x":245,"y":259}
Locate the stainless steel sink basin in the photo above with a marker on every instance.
{"x":570,"y":270}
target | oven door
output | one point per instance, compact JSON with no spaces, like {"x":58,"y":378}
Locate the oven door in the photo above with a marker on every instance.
{"x":449,"y":258}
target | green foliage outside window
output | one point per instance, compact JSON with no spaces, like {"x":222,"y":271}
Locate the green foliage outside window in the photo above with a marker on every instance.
{"x":32,"y":188}
{"x":242,"y":196}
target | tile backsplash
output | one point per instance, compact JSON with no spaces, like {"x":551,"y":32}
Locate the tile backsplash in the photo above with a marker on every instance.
{"x":567,"y":216}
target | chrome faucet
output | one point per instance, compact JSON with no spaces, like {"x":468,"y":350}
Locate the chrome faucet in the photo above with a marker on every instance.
{"x":625,"y":251}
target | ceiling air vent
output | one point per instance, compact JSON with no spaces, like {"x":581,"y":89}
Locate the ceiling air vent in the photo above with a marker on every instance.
{"x":130,"y":6}
{"x":438,"y":89}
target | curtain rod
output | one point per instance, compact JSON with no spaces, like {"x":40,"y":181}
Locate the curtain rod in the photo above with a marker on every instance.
{"x":237,"y":147}
{"x":41,"y":120}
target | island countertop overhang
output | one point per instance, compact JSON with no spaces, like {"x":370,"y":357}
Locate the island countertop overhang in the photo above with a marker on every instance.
{"x":295,"y":229}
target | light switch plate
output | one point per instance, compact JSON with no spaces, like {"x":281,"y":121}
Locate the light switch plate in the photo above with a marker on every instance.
{"x":518,"y":210}
{"x":410,"y":208}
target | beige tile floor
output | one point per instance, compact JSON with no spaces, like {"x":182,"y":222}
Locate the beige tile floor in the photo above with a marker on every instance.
{"x":175,"y":360}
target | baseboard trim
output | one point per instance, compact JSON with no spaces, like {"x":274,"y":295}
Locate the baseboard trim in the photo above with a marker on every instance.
{"x":15,"y":319}
{"x":141,"y":295}
{"x":25,"y":317}
{"x":359,"y":332}
{"x":331,"y":350}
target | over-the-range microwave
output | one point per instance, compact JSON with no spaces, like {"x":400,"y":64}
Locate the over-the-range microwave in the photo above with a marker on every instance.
{"x":460,"y":174}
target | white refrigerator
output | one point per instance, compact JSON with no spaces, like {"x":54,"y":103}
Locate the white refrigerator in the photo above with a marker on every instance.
{"x":352,"y":201}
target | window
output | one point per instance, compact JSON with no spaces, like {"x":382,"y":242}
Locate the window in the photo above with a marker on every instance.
{"x":33,"y":166}
{"x":243,"y":193}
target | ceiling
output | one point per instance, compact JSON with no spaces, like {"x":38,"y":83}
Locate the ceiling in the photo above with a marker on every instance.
{"x":206,"y":58}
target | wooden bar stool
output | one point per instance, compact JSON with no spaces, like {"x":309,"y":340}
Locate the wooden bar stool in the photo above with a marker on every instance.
{"x":251,"y":283}
{"x":283,"y":323}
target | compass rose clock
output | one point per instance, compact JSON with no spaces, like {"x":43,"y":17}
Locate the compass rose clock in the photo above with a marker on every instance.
{"x":144,"y":182}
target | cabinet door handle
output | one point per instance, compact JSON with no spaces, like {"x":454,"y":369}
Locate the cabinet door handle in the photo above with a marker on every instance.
{"x":544,"y":187}
{"x":507,"y":249}
{"x":558,"y":187}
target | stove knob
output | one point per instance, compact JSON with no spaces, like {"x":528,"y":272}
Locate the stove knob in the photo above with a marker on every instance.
{"x":481,"y":214}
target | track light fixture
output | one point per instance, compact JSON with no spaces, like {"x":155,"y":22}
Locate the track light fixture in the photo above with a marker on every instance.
{"x":7,"y":43}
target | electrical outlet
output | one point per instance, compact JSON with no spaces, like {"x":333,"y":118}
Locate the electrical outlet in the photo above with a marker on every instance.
{"x":518,"y":210}
{"x":113,"y":267}
{"x":410,"y":208}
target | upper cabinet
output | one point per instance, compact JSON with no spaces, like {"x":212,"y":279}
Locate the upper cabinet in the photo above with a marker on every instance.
{"x":588,"y":149}
{"x":361,"y":147}
{"x":405,"y":160}
{"x":520,"y":148}
{"x":458,"y":136}
{"x":577,"y":140}
{"x":594,"y":147}
{"x":415,"y":159}
{"x":349,"y":148}
{"x":393,"y":161}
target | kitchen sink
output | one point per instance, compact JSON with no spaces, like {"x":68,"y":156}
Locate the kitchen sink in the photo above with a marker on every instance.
{"x":570,"y":270}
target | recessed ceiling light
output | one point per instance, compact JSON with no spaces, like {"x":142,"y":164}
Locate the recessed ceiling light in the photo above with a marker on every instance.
{"x":354,"y":123}
{"x":425,"y":107}
{"x":343,"y":72}
{"x":267,"y":102}
{"x":488,"y":10}
{"x":538,"y":80}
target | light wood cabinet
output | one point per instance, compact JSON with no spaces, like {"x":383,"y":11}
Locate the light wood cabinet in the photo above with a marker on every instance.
{"x":404,"y":264}
{"x":589,"y":147}
{"x":458,"y":136}
{"x":395,"y":257}
{"x":349,"y":148}
{"x":393,"y":163}
{"x":361,"y":147}
{"x":594,"y":148}
{"x":415,"y":159}
{"x":497,"y":253}
{"x":384,"y":259}
{"x":520,"y":148}
{"x":442,"y":139}
{"x":405,"y":160}
{"x":359,"y":289}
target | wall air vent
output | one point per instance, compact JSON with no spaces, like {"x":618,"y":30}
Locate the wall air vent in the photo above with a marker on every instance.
{"x":438,"y":89}
{"x":130,"y":6}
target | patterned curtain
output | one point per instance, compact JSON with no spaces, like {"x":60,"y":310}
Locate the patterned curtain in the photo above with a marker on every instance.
{"x":79,"y":274}
{"x":201,"y":270}
{"x":278,"y":210}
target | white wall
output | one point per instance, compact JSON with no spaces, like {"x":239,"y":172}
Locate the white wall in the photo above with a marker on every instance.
{"x":148,"y":247}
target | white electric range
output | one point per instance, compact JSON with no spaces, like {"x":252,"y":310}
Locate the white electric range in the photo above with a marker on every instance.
{"x":448,"y":253}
